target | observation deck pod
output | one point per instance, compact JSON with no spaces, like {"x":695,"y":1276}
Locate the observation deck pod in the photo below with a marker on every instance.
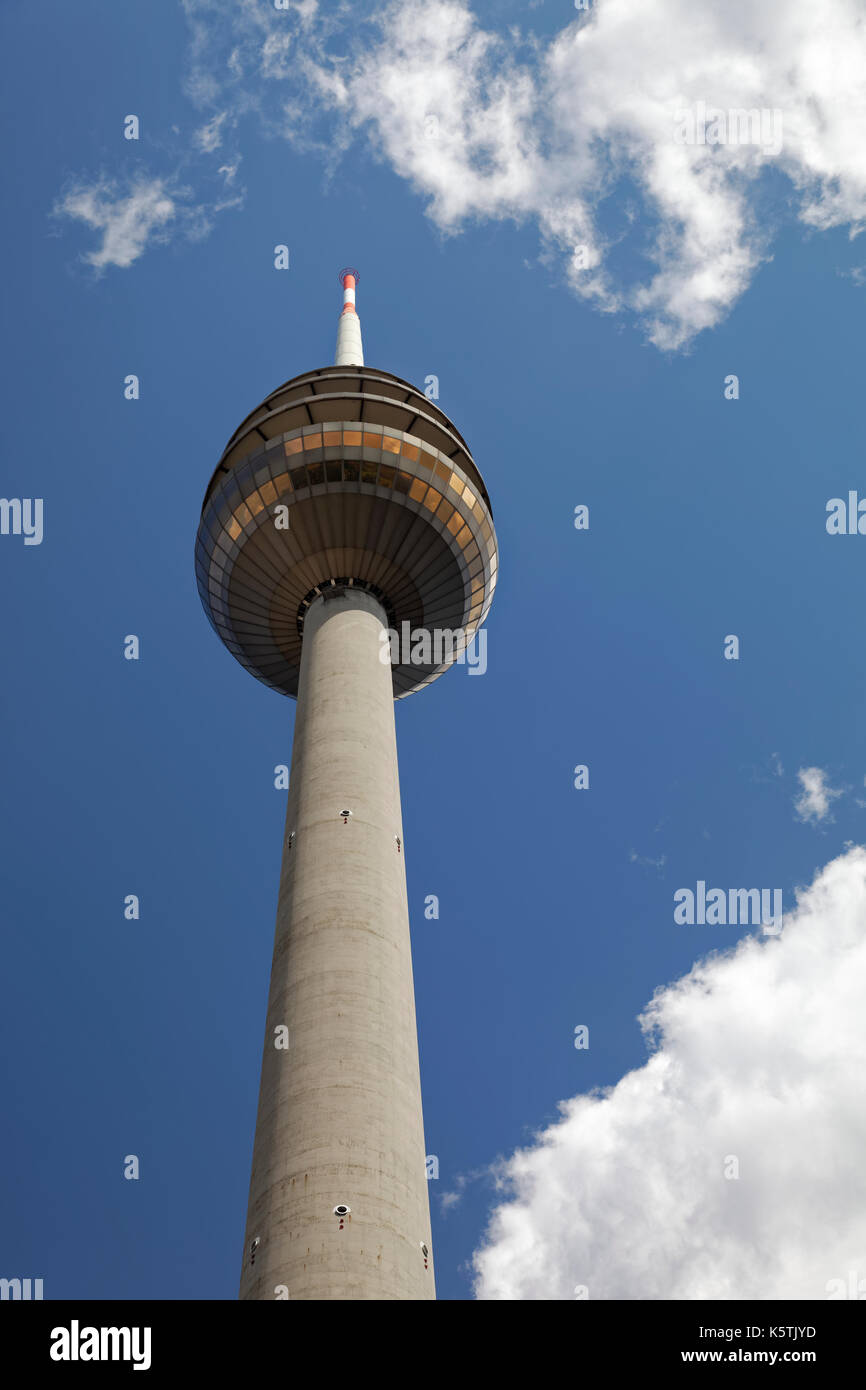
{"x":345,"y":477}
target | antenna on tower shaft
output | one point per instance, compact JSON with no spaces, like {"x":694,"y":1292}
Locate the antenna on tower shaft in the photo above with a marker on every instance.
{"x":350,"y":349}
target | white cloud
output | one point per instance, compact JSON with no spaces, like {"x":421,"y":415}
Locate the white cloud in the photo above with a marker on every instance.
{"x":229,"y":171}
{"x":145,"y":212}
{"x":451,"y":1199}
{"x":275,"y":56}
{"x":578,"y":133}
{"x":813,"y":803}
{"x":759,"y":1054}
{"x":209,"y":137}
{"x":646,"y":860}
{"x":126,"y":221}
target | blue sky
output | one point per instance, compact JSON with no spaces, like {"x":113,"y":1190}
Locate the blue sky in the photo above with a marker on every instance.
{"x":707,"y":518}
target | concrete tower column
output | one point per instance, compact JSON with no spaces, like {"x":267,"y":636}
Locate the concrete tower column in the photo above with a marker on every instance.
{"x":339,"y":1118}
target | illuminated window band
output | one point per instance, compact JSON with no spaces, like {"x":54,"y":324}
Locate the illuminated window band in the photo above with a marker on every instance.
{"x":360,"y":398}
{"x":447,"y":496}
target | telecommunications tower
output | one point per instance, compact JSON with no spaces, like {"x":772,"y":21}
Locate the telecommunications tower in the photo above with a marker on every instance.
{"x":345,"y":507}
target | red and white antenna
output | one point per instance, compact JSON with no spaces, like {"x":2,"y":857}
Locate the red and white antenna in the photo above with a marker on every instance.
{"x":350,"y":349}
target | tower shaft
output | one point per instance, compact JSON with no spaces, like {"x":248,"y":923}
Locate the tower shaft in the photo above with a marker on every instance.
{"x":339,"y":1118}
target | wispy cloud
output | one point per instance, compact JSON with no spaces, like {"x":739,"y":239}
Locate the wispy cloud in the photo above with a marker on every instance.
{"x":580,"y":133}
{"x":127,"y":221}
{"x":275,"y":56}
{"x":730,"y":1164}
{"x":229,"y":171}
{"x":646,"y":861}
{"x":143,"y":211}
{"x":636,"y":139}
{"x":813,"y":803}
{"x":584,"y":134}
{"x":451,"y":1199}
{"x":209,"y":136}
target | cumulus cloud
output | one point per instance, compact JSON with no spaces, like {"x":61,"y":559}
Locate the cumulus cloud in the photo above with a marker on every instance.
{"x":813,"y":803}
{"x":637,"y":138}
{"x":126,"y":221}
{"x":757,"y":1066}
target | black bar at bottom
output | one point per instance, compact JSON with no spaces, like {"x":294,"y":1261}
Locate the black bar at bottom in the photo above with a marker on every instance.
{"x":257,"y":1341}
